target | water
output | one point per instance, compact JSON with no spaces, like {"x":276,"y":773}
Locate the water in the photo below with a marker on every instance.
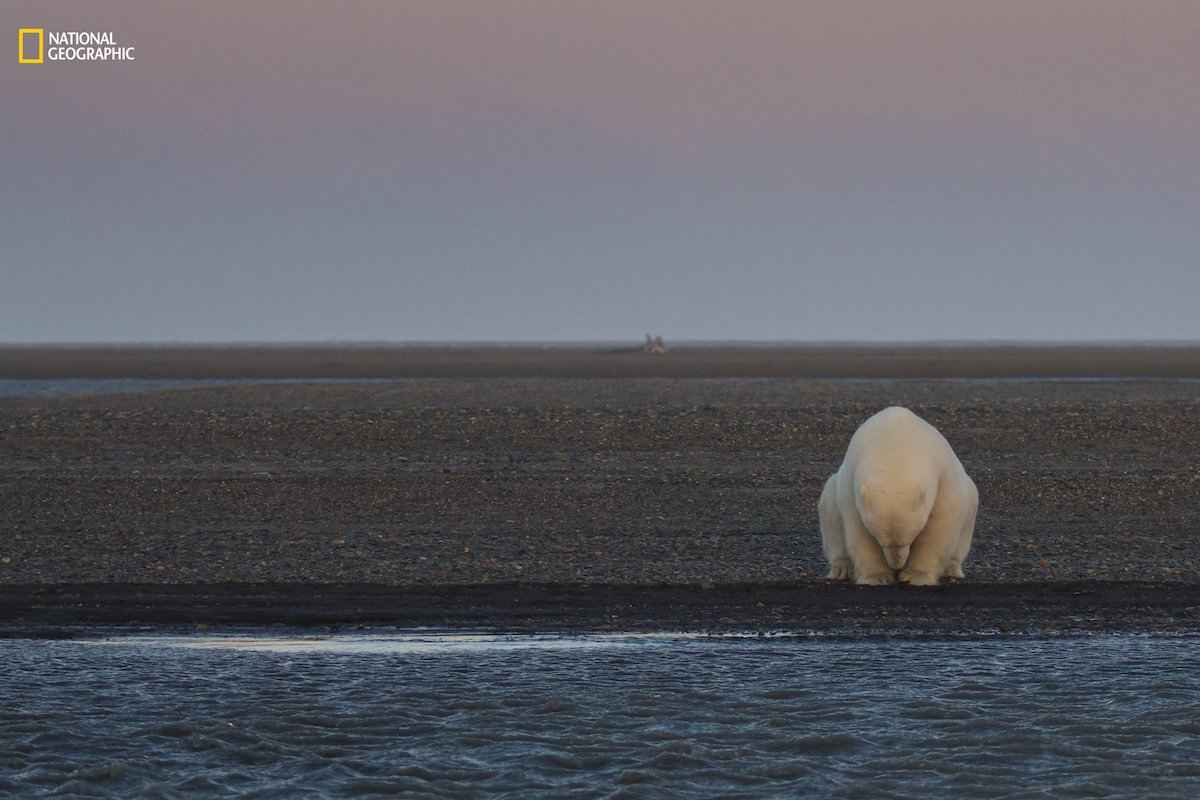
{"x":58,"y":387}
{"x":485,"y":716}
{"x":67,"y":387}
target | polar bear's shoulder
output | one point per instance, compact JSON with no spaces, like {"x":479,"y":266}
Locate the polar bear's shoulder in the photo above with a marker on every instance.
{"x":895,"y":415}
{"x":893,"y":423}
{"x":897,"y":440}
{"x":896,"y":411}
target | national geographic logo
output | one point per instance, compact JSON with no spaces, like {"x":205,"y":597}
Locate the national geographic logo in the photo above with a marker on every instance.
{"x":37,"y":46}
{"x":26,"y":37}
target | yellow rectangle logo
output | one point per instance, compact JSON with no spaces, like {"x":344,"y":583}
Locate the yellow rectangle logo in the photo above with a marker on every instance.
{"x":22,"y":56}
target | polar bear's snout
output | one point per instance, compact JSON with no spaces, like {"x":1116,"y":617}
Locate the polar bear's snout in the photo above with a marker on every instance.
{"x":896,"y":556}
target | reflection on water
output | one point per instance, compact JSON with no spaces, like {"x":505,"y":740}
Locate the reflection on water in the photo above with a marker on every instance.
{"x":56,"y":387}
{"x":479,"y":715}
{"x":431,"y":642}
{"x":66,"y":387}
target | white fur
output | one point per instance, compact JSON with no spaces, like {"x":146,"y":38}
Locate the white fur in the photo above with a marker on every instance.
{"x":901,"y":506}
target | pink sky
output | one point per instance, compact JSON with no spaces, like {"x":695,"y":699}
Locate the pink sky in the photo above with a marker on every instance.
{"x":1089,"y":108}
{"x":674,"y":79}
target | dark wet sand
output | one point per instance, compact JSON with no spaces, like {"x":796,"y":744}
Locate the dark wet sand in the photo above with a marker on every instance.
{"x":1050,"y":608}
{"x":586,"y":503}
{"x":836,"y":360}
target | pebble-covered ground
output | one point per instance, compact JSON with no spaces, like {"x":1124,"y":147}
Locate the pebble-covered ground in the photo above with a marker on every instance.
{"x":613,"y":481}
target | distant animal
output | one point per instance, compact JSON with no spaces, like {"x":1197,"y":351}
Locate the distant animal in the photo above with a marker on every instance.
{"x":900,"y":507}
{"x":654,"y":344}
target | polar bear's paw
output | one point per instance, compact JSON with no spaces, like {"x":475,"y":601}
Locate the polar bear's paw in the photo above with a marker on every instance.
{"x":876,"y":579}
{"x":955,"y":572}
{"x":839,"y":570}
{"x":914,"y":578}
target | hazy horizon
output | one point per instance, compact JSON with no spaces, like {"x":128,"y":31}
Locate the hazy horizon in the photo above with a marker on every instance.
{"x":629,"y":342}
{"x":538,"y":172}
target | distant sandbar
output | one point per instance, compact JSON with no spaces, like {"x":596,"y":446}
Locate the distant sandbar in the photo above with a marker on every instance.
{"x":955,"y":360}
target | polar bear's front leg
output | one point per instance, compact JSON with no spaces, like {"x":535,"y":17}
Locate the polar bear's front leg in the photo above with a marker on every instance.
{"x":931,"y":553}
{"x":870,"y":567}
{"x":938,"y":550}
{"x":914,"y":577}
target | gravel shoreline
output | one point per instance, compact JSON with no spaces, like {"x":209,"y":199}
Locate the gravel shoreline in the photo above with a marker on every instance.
{"x":426,"y":484}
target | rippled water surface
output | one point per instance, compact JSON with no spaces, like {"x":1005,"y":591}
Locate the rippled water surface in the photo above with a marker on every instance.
{"x":485,"y":716}
{"x":65,"y":387}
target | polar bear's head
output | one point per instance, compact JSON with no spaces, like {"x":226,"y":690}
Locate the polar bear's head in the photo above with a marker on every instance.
{"x":895,"y":512}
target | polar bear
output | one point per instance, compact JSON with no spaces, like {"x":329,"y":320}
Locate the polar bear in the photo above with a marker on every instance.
{"x":900,"y":506}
